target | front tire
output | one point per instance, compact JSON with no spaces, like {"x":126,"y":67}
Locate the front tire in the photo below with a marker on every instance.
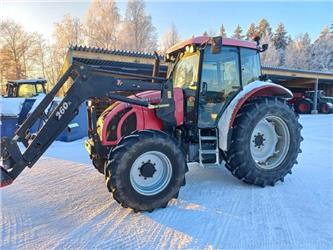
{"x":99,"y":164}
{"x":146,"y":170}
{"x":265,"y":142}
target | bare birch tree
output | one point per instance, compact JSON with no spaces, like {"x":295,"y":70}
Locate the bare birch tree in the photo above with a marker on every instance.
{"x":68,"y":31}
{"x":138,"y":32}
{"x":170,"y":38}
{"x":15,"y":44}
{"x":102,"y":24}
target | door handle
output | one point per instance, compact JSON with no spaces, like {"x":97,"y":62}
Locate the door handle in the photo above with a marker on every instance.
{"x":204,"y":88}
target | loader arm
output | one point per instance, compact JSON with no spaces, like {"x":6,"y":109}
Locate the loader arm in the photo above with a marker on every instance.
{"x":88,"y":82}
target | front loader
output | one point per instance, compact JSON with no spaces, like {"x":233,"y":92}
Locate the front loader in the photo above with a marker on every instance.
{"x":213,"y":107}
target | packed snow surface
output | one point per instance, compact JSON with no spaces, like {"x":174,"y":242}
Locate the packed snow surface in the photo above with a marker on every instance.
{"x":62,"y":202}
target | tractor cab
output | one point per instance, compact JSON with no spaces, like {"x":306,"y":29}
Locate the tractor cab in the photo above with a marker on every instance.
{"x":26,"y":88}
{"x":211,"y":75}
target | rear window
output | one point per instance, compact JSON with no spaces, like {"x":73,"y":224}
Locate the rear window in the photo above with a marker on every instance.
{"x":29,"y":90}
{"x":250,"y":63}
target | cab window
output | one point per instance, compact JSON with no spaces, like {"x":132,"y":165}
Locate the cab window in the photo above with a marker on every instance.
{"x":250,"y":63}
{"x":39,"y":88}
{"x":186,"y":71}
{"x":26,"y":90}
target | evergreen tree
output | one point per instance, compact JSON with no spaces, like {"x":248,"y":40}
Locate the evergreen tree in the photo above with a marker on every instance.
{"x":280,"y":41}
{"x":264,"y":28}
{"x":205,"y":33}
{"x":322,"y":52}
{"x":222,"y":31}
{"x":251,"y":31}
{"x":324,"y":32}
{"x":271,"y":56}
{"x":298,"y":53}
{"x":238,"y":33}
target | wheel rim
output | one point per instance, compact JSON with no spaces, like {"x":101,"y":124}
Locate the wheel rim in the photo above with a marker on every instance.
{"x":303,"y":107}
{"x":150,"y":173}
{"x":270,"y":142}
{"x":324,"y":108}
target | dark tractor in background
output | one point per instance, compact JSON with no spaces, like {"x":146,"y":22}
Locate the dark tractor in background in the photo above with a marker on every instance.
{"x":25,"y":88}
{"x":304,"y":104}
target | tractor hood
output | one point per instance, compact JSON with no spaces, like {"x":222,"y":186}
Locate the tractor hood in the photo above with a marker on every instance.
{"x":111,"y":122}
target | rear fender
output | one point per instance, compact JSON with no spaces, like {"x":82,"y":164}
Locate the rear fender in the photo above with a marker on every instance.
{"x":254,"y":89}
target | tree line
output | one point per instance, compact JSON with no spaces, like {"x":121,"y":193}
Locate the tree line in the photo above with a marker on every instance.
{"x":298,"y":52}
{"x":25,"y":55}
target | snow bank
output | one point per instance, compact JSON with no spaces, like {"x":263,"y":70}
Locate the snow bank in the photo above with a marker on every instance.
{"x":11,"y":106}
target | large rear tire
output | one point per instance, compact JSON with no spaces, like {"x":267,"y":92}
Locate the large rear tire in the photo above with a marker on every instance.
{"x":146,"y":170}
{"x":265,"y":142}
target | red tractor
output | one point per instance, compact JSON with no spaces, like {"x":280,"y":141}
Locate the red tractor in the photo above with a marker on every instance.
{"x":213,"y":106}
{"x":303,"y":103}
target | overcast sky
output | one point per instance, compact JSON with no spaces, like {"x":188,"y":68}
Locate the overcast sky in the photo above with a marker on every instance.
{"x":190,"y":17}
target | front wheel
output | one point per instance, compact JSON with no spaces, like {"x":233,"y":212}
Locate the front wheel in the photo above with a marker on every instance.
{"x":265,"y":141}
{"x":146,"y":170}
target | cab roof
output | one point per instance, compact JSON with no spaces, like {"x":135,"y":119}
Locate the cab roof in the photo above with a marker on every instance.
{"x":206,"y":39}
{"x":28,"y":81}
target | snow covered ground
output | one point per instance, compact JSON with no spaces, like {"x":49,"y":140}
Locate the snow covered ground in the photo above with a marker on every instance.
{"x":62,"y":202}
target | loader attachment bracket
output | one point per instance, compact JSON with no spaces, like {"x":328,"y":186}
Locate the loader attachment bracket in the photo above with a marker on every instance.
{"x":12,"y":161}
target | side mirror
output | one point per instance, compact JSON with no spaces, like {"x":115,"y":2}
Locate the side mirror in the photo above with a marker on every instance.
{"x":263,"y":78}
{"x":264,"y":47}
{"x":216,"y":44}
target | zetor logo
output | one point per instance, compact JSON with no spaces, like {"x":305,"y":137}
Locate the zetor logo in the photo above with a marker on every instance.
{"x":62,"y":109}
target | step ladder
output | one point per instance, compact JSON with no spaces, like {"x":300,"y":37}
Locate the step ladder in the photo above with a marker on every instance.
{"x":209,"y":148}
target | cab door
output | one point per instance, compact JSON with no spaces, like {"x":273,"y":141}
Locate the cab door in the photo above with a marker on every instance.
{"x":186,"y":77}
{"x":220,"y":80}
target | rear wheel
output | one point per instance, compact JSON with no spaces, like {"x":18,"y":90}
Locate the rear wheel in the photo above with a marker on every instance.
{"x":265,"y":142}
{"x":303,"y":106}
{"x":146,"y":170}
{"x":326,"y":108}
